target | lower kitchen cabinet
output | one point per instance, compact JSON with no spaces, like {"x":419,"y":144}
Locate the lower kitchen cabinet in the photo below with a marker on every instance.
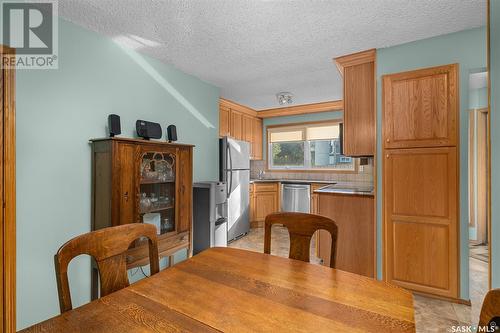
{"x":315,"y":197}
{"x":264,"y":200}
{"x":354,"y":216}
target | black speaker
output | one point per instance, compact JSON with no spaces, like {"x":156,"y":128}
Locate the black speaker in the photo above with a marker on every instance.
{"x":172,"y":133}
{"x":114,"y":125}
{"x":148,"y":130}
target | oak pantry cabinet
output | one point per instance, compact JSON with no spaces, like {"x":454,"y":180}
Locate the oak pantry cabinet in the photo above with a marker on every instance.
{"x":420,"y":180}
{"x":137,"y":181}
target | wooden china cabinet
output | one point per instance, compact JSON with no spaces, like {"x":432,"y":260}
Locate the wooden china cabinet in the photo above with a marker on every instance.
{"x":141,"y":181}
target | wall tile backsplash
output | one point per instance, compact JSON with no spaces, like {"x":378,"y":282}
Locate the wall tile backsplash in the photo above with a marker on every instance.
{"x":364,"y":174}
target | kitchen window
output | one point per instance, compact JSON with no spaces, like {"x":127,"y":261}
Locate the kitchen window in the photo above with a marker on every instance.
{"x":307,"y":147}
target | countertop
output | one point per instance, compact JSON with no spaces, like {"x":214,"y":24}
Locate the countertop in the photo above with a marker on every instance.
{"x":331,"y":186}
{"x":301,"y":181}
{"x":354,"y":189}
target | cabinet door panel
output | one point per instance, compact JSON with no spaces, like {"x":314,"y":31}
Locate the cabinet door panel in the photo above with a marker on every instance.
{"x":359,"y":114}
{"x":354,"y":216}
{"x":420,"y":108}
{"x":247,"y":128}
{"x":185,"y":190}
{"x":224,"y":121}
{"x":127,"y":155}
{"x":265,"y":204}
{"x":421,"y":219}
{"x":247,"y":134}
{"x":257,"y":138}
{"x":236,"y":125}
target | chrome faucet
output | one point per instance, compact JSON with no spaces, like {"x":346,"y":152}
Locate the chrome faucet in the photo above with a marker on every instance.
{"x":261,"y":174}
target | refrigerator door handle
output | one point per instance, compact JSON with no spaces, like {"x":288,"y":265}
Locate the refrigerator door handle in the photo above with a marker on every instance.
{"x":228,"y":148}
{"x":230,"y":183}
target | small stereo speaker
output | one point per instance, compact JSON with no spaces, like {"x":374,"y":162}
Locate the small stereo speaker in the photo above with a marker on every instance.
{"x":172,"y":133}
{"x":114,"y":125}
{"x":148,"y":130}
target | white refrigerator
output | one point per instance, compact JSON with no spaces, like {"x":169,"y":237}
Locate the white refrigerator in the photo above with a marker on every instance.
{"x":235,"y":172}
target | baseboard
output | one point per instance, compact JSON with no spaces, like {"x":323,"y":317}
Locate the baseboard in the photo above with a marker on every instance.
{"x":443,"y":298}
{"x":256,"y":224}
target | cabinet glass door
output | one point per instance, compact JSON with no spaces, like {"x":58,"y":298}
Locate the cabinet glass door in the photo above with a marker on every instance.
{"x":157,"y":190}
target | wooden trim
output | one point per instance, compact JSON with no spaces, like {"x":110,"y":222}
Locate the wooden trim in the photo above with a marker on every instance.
{"x":302,"y":109}
{"x":443,"y":298}
{"x":142,"y":141}
{"x":375,"y":166}
{"x":488,"y":138}
{"x":8,"y":178}
{"x":471,"y":151}
{"x":355,"y":59}
{"x":237,"y":107}
{"x":332,"y":121}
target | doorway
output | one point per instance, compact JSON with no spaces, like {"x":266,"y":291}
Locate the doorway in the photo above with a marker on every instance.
{"x":7,"y":194}
{"x":478,"y":186}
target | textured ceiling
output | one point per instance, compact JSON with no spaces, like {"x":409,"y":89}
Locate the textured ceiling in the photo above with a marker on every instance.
{"x":253,"y":49}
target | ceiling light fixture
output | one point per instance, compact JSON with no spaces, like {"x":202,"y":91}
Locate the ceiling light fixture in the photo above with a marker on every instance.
{"x":284,"y":98}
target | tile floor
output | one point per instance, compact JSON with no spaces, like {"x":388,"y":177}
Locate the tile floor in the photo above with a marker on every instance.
{"x":431,"y":315}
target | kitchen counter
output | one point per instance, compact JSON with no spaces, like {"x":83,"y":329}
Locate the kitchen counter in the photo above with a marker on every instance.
{"x":331,"y":186}
{"x":343,"y":188}
{"x":300,"y":181}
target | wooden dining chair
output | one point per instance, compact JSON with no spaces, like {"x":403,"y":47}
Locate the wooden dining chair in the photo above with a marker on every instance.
{"x":108,"y":247}
{"x":490,"y":308}
{"x":301,"y":227}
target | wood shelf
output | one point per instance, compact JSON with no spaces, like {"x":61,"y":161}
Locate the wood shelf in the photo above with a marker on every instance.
{"x":159,"y":209}
{"x":154,"y":181}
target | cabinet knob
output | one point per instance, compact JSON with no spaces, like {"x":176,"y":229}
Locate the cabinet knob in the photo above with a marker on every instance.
{"x":126,"y":196}
{"x":387,"y":156}
{"x":387,"y":140}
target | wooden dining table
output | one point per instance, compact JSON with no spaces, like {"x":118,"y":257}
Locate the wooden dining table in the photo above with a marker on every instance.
{"x":232,"y":290}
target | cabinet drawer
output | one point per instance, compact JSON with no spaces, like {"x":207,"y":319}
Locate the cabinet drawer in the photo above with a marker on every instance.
{"x":266,"y":187}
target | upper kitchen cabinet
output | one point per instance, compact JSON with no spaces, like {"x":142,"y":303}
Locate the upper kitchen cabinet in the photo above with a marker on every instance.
{"x":257,"y":138}
{"x":224,"y":121}
{"x":358,"y":71}
{"x":236,"y":128}
{"x":241,"y":123}
{"x":420,"y":108}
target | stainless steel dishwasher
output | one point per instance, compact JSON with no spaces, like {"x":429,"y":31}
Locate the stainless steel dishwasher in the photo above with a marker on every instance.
{"x":295,"y":197}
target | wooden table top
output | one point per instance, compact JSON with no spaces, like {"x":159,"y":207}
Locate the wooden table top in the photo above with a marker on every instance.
{"x":231,"y":290}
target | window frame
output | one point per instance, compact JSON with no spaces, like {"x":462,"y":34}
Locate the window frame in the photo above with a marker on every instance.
{"x":306,"y":147}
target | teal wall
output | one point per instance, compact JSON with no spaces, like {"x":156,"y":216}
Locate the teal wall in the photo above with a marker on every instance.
{"x":478,"y":98}
{"x":468,"y":48}
{"x":495,"y":140}
{"x":58,"y":111}
{"x":323,"y":116}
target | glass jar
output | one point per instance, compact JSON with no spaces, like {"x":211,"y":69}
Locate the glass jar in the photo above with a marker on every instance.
{"x":168,"y":225}
{"x":145,"y":202}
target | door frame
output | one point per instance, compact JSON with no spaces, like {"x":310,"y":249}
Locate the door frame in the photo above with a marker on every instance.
{"x":488,"y":138}
{"x":478,"y":147}
{"x":8,"y":194}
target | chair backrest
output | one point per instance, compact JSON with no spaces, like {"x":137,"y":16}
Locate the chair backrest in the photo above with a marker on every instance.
{"x":301,"y":228}
{"x":108,"y":247}
{"x":490,"y":308}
